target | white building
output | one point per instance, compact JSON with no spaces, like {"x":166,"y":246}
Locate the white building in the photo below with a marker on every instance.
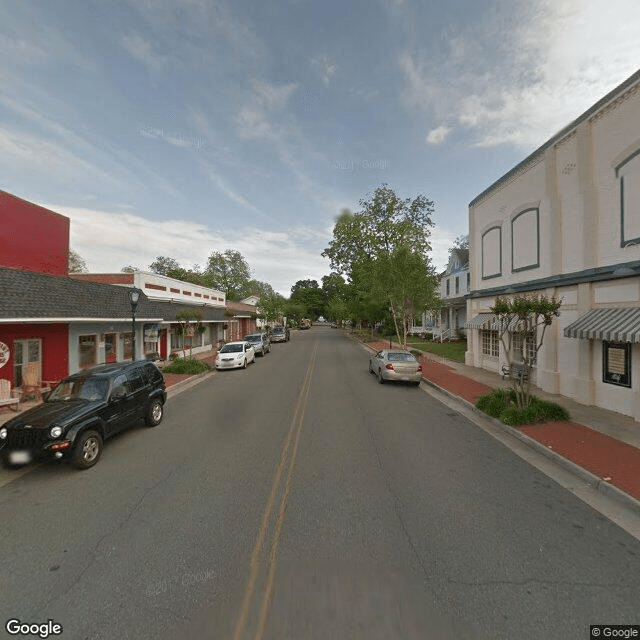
{"x":566,"y":222}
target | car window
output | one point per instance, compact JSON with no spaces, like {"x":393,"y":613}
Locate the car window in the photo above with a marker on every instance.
{"x":134,"y":380}
{"x":400,"y":357}
{"x":231,"y":348}
{"x":93,"y":389}
{"x":80,"y":389}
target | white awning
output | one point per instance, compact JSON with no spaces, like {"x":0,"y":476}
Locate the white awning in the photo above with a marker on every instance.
{"x":615,"y":325}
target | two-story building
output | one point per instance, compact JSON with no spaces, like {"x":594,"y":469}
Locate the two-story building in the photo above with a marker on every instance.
{"x":565,"y":222}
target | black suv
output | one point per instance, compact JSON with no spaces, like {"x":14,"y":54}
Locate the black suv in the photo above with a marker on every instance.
{"x":83,"y":411}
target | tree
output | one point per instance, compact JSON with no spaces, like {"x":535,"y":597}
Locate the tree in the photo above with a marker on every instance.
{"x":228,"y":272}
{"x":384,"y":222}
{"x":383,"y":249}
{"x":271,"y":307}
{"x":129,"y":269}
{"x":77,"y":263}
{"x":163,"y":265}
{"x":190,"y":321}
{"x":308,"y":294}
{"x":519,"y":322}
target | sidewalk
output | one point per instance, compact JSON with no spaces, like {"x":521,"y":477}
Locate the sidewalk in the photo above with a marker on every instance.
{"x":605,"y":443}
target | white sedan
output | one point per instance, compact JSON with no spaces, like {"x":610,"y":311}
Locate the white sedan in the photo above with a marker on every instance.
{"x":234,"y":355}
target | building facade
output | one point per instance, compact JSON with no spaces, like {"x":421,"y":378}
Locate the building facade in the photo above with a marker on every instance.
{"x":565,"y":222}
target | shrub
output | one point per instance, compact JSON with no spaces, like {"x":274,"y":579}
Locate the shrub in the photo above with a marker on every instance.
{"x":501,"y":404}
{"x":496,"y":402}
{"x":192,"y":366}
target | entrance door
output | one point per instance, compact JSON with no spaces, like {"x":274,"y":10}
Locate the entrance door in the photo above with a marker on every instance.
{"x":110,"y":347}
{"x":24,"y":353}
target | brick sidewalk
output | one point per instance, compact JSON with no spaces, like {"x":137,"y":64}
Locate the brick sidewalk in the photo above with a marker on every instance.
{"x":613,"y":461}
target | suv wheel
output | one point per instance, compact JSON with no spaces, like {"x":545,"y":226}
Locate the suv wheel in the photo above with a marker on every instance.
{"x":155,"y":413}
{"x":87,"y":450}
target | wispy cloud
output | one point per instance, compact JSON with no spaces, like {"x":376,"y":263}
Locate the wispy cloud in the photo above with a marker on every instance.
{"x":143,"y":51}
{"x":324,"y":67}
{"x":438,"y":135}
{"x":553,"y":60}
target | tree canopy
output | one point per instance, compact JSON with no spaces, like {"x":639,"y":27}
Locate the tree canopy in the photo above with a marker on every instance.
{"x":384,"y":251}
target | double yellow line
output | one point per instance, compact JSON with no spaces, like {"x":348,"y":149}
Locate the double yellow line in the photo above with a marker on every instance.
{"x":288,"y":454}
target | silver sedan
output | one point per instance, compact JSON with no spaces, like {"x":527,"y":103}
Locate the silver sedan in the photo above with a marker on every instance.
{"x":395,"y":364}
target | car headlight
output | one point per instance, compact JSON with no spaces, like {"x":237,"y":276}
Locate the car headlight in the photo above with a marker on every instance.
{"x":3,"y":433}
{"x":55,"y":432}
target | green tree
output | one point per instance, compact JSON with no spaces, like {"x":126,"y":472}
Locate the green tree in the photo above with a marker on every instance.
{"x":308,"y":294}
{"x":294,"y":312}
{"x":163,"y":265}
{"x":271,"y":307}
{"x":384,"y":222}
{"x":384,"y":250}
{"x":229,"y":272}
{"x":522,"y":323}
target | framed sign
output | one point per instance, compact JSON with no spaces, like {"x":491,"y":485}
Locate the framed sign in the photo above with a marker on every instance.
{"x":4,"y":354}
{"x":616,"y":363}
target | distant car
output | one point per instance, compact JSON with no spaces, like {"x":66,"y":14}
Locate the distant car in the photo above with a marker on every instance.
{"x":305,"y":323}
{"x":260,"y":342}
{"x":395,"y":364}
{"x":280,"y":334}
{"x":83,"y":411}
{"x":234,"y":355}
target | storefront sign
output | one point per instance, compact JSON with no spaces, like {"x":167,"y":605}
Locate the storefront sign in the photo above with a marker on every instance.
{"x":4,"y":354}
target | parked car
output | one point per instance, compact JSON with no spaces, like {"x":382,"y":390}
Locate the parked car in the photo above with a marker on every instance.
{"x":83,"y":411}
{"x":305,"y":323}
{"x":260,"y":342}
{"x":280,"y":334}
{"x":395,"y":364}
{"x":235,"y":354}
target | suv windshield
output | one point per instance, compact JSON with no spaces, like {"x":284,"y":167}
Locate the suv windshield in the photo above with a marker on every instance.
{"x":80,"y":389}
{"x":277,"y":330}
{"x":254,"y":338}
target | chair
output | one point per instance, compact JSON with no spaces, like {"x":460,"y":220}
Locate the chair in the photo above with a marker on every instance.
{"x":6,"y":397}
{"x":31,"y":383}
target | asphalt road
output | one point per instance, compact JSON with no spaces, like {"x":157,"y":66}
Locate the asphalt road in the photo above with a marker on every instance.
{"x":301,"y":499}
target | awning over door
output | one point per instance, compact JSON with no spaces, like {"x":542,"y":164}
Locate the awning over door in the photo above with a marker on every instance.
{"x":614,"y":325}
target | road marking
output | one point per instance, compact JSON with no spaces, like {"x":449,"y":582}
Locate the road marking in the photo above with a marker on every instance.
{"x":288,"y":453}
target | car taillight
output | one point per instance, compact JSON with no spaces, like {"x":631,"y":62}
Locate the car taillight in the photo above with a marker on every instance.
{"x":419,"y":367}
{"x":389,"y":366}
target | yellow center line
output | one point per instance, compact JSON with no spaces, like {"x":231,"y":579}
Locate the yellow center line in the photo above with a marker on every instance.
{"x":264,"y":525}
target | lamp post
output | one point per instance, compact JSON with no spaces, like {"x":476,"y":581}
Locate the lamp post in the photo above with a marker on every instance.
{"x":134,"y":297}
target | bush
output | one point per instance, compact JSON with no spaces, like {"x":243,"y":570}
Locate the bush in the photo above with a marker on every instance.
{"x":188,"y":365}
{"x":501,"y":404}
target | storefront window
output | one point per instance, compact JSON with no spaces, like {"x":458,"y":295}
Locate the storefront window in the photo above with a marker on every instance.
{"x":88,"y":350}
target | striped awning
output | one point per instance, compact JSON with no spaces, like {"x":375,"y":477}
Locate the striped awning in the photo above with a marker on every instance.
{"x":616,"y":325}
{"x":483,"y":321}
{"x":491,"y":322}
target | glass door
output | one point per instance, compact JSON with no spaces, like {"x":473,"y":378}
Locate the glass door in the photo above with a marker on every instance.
{"x":26,"y":352}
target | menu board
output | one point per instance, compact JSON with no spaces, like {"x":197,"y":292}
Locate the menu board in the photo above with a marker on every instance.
{"x":616,"y":363}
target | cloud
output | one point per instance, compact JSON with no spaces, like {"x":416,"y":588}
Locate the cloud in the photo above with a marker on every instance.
{"x":142,"y":50}
{"x":324,"y":67}
{"x":109,"y":240}
{"x":526,"y":70}
{"x":438,"y":135}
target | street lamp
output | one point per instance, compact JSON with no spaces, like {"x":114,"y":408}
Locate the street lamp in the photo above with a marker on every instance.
{"x":134,"y":297}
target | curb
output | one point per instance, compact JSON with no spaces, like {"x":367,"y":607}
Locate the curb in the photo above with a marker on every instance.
{"x":595,"y":481}
{"x":189,"y":382}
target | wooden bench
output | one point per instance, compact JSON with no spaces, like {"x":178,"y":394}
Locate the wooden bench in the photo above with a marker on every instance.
{"x":516,"y":371}
{"x":6,"y":397}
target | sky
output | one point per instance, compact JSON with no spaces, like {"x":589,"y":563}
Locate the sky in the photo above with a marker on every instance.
{"x":182,"y":127}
